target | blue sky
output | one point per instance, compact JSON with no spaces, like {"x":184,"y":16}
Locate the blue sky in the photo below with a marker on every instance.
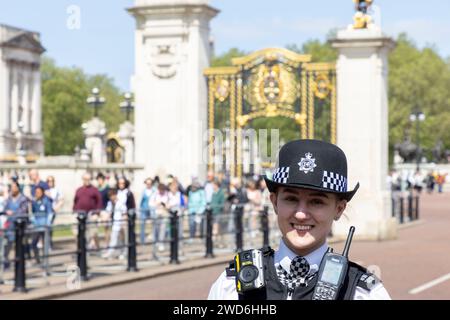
{"x":104,"y":43}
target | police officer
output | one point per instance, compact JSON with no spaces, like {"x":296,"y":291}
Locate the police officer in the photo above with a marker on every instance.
{"x":308,"y":192}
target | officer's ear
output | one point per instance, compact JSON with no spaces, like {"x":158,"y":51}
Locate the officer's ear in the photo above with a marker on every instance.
{"x":341,"y":204}
{"x":273,"y":198}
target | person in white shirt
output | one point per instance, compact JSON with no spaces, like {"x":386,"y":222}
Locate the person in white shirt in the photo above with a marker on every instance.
{"x":159,"y":201}
{"x":208,"y":187}
{"x":57,"y":202}
{"x":308,"y":192}
{"x":118,"y":212}
{"x":176,"y":203}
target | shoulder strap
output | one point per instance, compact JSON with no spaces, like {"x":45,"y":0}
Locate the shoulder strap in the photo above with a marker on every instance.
{"x":368,"y":280}
{"x":358,"y":276}
{"x":267,"y":250}
{"x":354,"y":273}
{"x":231,"y":269}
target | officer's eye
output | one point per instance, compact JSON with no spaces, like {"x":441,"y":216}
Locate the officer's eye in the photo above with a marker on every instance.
{"x":290,"y":198}
{"x":316,"y":201}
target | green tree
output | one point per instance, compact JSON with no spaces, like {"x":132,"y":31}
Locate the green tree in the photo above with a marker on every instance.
{"x":225,"y":58}
{"x":64,"y":108}
{"x":418,"y":78}
{"x":319,"y":51}
{"x":64,"y":93}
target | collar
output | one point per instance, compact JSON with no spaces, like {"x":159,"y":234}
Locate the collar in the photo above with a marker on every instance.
{"x":284,"y":256}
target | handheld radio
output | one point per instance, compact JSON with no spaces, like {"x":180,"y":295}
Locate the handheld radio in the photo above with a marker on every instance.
{"x":332,"y":272}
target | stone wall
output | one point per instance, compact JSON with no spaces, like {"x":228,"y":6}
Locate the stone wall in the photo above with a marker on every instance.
{"x":68,"y":173}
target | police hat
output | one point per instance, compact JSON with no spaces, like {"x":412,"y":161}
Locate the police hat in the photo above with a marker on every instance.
{"x":311,"y":164}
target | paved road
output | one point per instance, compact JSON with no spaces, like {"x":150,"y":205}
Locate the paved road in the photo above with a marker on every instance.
{"x":419,"y":259}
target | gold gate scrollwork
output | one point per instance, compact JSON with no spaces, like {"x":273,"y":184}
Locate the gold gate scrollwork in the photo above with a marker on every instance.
{"x":268,"y":83}
{"x":114,"y":149}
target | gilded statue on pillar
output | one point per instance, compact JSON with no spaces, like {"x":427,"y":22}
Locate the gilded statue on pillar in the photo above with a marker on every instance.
{"x":361,"y":19}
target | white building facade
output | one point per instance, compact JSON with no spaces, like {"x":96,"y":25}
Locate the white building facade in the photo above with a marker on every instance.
{"x":20,"y":93}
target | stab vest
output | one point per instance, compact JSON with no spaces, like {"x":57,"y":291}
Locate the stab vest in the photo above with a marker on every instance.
{"x":275,"y":290}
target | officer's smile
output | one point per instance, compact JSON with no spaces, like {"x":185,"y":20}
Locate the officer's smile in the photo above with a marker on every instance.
{"x":302,"y":227}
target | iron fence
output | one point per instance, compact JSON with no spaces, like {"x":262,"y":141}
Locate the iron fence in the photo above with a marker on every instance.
{"x":137,"y":234}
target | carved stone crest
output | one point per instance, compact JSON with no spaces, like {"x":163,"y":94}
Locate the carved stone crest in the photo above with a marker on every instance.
{"x":163,"y":60}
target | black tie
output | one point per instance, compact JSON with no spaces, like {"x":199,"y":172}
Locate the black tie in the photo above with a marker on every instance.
{"x":299,"y":269}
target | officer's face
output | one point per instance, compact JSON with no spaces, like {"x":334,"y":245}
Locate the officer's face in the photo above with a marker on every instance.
{"x":305,"y":217}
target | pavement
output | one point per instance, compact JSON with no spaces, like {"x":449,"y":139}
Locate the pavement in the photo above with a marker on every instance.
{"x":413,"y":266}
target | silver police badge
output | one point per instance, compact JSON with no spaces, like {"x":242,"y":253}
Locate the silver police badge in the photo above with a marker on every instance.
{"x":307,"y":164}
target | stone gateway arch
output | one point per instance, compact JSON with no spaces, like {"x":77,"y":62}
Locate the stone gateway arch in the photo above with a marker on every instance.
{"x":177,"y":97}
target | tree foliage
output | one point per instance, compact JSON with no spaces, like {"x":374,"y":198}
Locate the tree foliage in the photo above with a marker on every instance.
{"x":418,"y":78}
{"x":224,"y":59}
{"x":64,"y":108}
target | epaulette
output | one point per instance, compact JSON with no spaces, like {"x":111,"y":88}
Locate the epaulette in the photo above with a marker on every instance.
{"x":231,"y":270}
{"x":368,"y":281}
{"x":266,"y":250}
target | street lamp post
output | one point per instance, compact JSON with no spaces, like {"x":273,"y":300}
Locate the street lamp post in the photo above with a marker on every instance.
{"x":127,"y":106}
{"x":95,"y":100}
{"x":417,"y":116}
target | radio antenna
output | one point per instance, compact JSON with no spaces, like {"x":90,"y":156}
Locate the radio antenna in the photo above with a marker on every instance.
{"x":348,"y":242}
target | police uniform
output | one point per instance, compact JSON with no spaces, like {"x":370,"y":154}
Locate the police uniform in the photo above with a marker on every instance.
{"x":315,"y":165}
{"x":368,"y":287}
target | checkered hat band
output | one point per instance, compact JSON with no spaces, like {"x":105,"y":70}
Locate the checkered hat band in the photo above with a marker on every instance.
{"x":334,"y":181}
{"x":281,"y":175}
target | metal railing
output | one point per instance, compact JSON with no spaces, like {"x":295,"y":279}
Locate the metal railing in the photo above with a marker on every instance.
{"x":406,"y":208}
{"x":176,"y":228}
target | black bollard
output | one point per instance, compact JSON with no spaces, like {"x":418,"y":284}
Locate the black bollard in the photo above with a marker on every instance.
{"x":402,"y":209}
{"x":417,"y":208}
{"x":410,"y":207}
{"x":132,"y":264}
{"x":238,"y":211}
{"x":209,"y":235}
{"x":393,"y":206}
{"x":174,"y":237}
{"x":81,"y":245}
{"x":19,"y":270}
{"x":265,"y":225}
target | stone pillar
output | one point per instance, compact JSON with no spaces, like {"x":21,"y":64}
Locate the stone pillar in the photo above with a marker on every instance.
{"x":4,"y":95}
{"x":94,"y":131}
{"x":362,"y":130}
{"x":126,"y":135}
{"x":25,"y":101}
{"x":36,"y":111}
{"x":14,"y":99}
{"x":172,"y":50}
{"x":5,"y":88}
{"x":36,"y":102}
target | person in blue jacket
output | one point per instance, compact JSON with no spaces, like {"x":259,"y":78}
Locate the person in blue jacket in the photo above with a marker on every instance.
{"x":41,"y":217}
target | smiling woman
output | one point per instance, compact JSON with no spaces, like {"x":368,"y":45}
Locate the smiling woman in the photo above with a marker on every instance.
{"x":308,"y":191}
{"x":305,"y":217}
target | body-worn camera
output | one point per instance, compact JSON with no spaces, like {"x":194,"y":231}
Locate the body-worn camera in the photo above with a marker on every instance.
{"x":249,"y":270}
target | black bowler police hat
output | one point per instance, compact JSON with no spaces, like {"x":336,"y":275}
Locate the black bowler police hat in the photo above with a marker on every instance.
{"x":311,"y":164}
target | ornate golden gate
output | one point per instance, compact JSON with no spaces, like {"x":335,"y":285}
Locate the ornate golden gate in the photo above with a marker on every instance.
{"x":268,"y":83}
